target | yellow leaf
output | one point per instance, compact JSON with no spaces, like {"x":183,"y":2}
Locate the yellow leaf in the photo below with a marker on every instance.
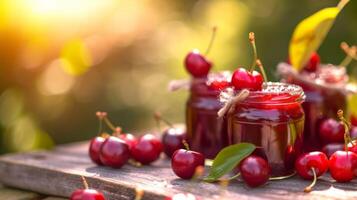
{"x":352,"y":104}
{"x":309,"y":34}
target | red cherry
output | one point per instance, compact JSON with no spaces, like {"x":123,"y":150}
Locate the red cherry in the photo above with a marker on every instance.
{"x":87,"y":194}
{"x":354,"y":120}
{"x":172,"y":140}
{"x":147,"y":149}
{"x":182,"y":196}
{"x":306,"y":162}
{"x":310,"y":166}
{"x":331,"y":148}
{"x":243,"y":79}
{"x":196,"y":64}
{"x":255,"y":171}
{"x":342,"y":165}
{"x":331,"y":131}
{"x":185,"y":162}
{"x":129,"y":138}
{"x":114,"y":152}
{"x":94,"y":149}
{"x":313,"y":63}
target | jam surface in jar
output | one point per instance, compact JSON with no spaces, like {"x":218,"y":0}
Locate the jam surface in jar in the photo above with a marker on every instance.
{"x":206,"y":132}
{"x":273,"y":120}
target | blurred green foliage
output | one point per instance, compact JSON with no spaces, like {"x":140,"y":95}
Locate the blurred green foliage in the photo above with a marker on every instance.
{"x":59,"y":63}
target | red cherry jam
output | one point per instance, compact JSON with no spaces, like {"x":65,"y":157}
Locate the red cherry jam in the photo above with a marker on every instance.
{"x":206,"y":133}
{"x":325,"y":95}
{"x":273,"y":120}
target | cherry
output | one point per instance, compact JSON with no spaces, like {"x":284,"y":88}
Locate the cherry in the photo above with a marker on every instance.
{"x":331,"y":148}
{"x":172,"y":140}
{"x":331,"y":131}
{"x":172,"y":137}
{"x":129,"y":138}
{"x":86,"y":194}
{"x":254,"y":170}
{"x":310,"y":166}
{"x":251,"y":80}
{"x":94,"y":148}
{"x":147,"y":149}
{"x":342,"y":165}
{"x":243,"y":79}
{"x":313,"y":64}
{"x":196,"y":63}
{"x":114,"y":152}
{"x":182,"y":196}
{"x":185,"y":162}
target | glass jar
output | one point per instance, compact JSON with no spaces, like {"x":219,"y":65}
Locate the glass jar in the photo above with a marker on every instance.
{"x":273,"y":120}
{"x":325,"y":95}
{"x":206,"y":132}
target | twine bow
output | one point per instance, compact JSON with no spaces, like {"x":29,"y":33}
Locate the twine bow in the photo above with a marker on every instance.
{"x":231,"y":100}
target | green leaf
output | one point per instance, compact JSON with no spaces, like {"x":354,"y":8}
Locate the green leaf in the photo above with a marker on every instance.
{"x":228,"y":158}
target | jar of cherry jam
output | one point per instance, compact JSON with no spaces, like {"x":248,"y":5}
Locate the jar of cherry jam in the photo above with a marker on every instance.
{"x":206,"y":132}
{"x":273,"y":120}
{"x":325,"y":92}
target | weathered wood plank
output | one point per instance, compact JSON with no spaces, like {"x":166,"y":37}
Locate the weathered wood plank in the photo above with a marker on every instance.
{"x":58,"y":173}
{"x":14,"y":194}
{"x":54,"y":198}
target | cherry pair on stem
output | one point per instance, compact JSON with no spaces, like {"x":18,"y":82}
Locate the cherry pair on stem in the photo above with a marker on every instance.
{"x":115,"y":150}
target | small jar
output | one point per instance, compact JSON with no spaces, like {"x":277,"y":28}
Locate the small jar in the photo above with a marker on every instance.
{"x":325,"y":95}
{"x":273,"y":120}
{"x":206,"y":132}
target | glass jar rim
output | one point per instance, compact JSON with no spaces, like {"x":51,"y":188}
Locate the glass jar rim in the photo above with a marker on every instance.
{"x":273,"y":93}
{"x":276,"y":93}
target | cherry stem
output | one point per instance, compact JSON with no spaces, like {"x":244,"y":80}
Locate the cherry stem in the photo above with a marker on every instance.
{"x":100,"y":126}
{"x":159,"y":118}
{"x":139,"y":193}
{"x":213,"y":36}
{"x":187,"y":147}
{"x":342,"y":4}
{"x":134,"y":163}
{"x":100,"y":116}
{"x":255,"y":54}
{"x":350,"y":52}
{"x":309,"y":188}
{"x":232,"y":178}
{"x":282,"y":177}
{"x":109,"y":124}
{"x":347,"y":125}
{"x":262,"y":70}
{"x":85,"y":183}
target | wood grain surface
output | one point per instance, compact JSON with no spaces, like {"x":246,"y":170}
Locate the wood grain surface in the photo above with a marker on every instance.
{"x":58,"y":173}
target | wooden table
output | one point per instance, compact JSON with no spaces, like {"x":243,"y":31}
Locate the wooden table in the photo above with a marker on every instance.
{"x":57,"y":173}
